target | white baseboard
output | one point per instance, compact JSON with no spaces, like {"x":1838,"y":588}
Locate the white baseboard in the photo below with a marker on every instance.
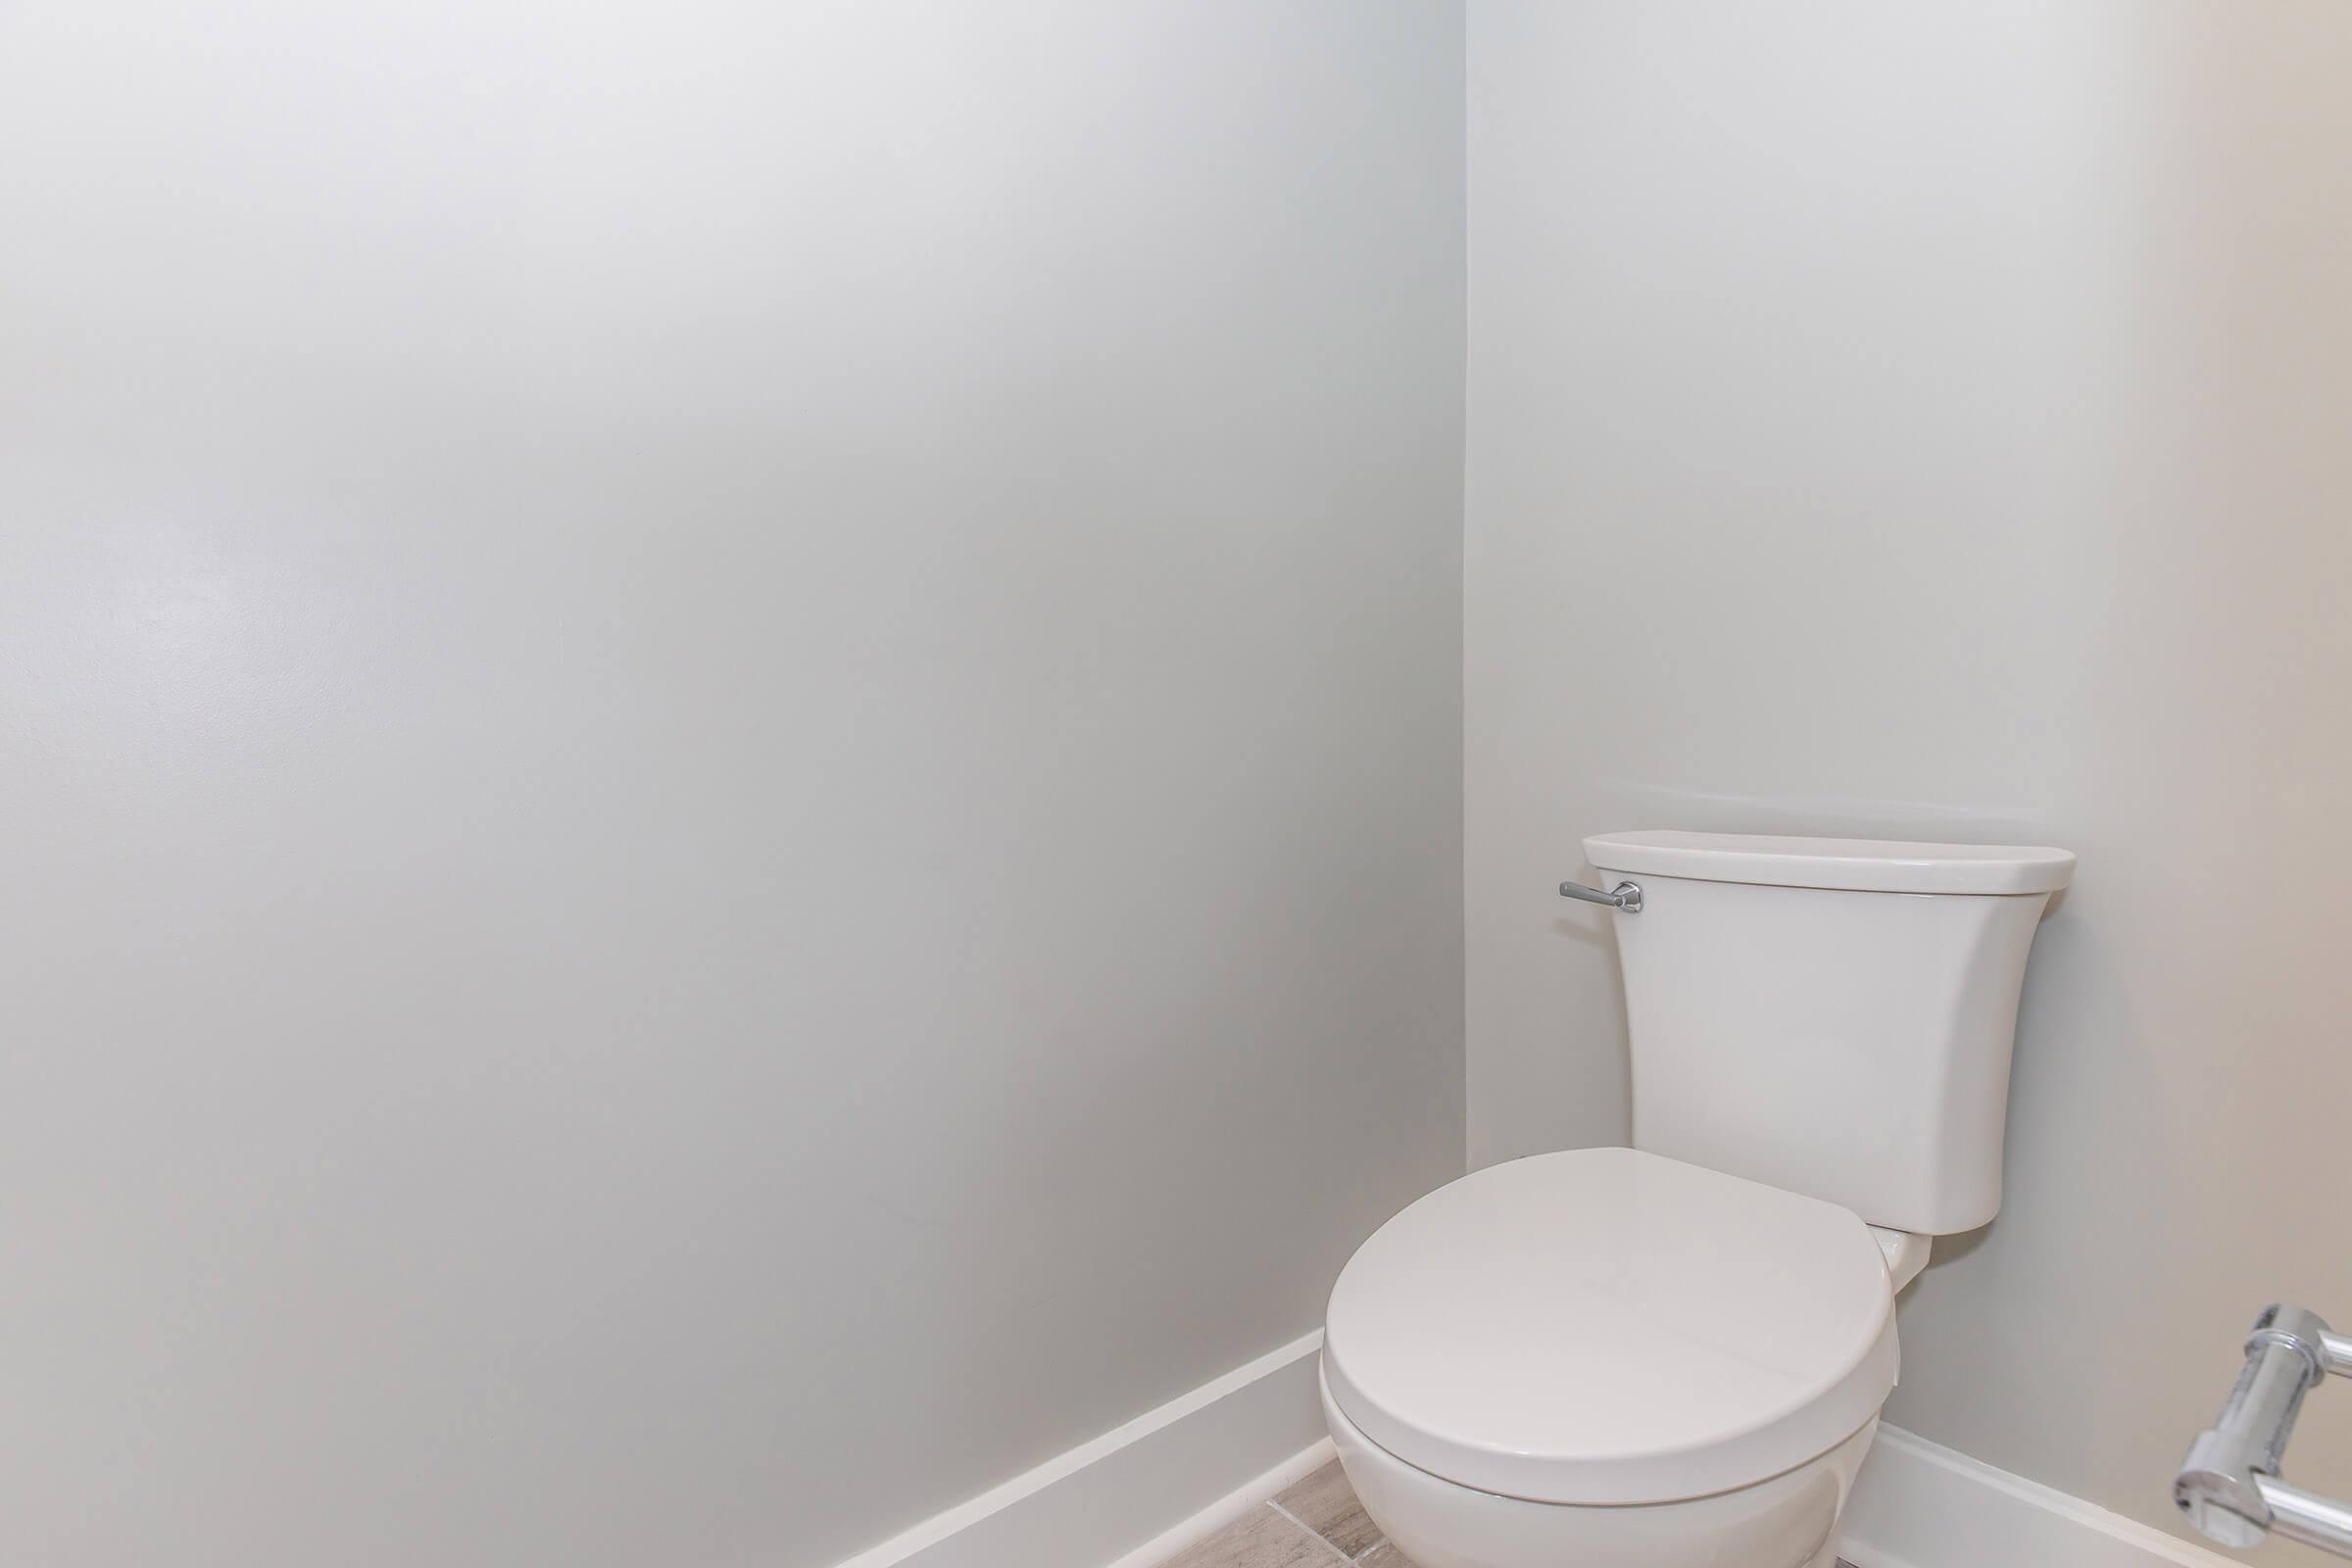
{"x":1919,"y":1505}
{"x":1143,"y":1492}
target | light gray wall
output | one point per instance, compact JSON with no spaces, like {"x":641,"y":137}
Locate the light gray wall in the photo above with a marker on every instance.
{"x":731,"y":751}
{"x":1935,"y":421}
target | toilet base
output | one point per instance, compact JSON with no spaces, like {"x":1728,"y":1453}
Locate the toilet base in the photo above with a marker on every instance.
{"x":1789,"y":1521}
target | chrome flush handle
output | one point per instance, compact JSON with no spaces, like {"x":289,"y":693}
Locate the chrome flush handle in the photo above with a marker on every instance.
{"x":1625,"y":896}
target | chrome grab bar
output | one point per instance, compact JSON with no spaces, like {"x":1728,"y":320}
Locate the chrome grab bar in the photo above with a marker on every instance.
{"x":1624,"y":896}
{"x":2229,"y":1484}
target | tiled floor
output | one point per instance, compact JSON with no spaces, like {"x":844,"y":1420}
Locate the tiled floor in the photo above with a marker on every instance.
{"x":1305,"y":1527}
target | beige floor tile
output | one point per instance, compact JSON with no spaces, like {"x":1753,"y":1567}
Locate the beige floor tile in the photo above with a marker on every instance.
{"x":1386,"y":1555}
{"x":1323,"y":1517}
{"x":1258,"y":1539}
{"x":1325,"y":1503}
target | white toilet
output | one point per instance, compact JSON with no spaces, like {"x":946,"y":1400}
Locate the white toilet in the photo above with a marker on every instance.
{"x":1673,"y":1355}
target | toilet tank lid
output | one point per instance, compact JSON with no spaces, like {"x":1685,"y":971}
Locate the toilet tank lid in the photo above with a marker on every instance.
{"x":1864,"y":865}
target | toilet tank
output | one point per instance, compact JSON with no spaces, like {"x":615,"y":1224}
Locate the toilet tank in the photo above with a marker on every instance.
{"x":1830,"y":1016}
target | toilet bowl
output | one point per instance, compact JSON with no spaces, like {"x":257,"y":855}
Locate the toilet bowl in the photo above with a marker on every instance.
{"x":1611,"y":1358}
{"x":1779,"y":1523}
{"x":1673,"y":1356}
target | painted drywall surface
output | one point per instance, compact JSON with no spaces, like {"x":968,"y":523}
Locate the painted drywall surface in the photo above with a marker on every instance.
{"x":1937,"y":420}
{"x":731,"y":752}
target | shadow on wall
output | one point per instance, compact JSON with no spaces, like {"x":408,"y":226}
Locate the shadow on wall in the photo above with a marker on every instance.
{"x":1601,"y":936}
{"x":2091,"y":1159}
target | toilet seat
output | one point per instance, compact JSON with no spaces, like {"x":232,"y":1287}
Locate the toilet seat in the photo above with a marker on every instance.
{"x":1608,"y":1326}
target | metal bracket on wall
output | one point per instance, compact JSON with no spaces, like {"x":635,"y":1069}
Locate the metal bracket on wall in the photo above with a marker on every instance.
{"x":2228,"y":1485}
